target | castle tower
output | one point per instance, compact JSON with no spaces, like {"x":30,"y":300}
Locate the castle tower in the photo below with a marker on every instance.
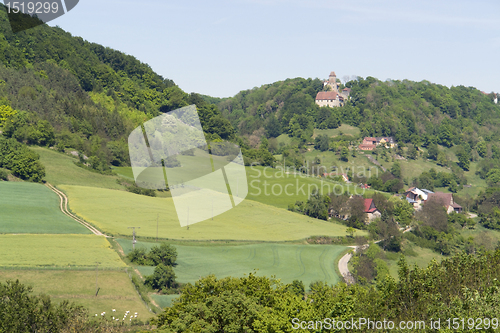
{"x":332,"y":81}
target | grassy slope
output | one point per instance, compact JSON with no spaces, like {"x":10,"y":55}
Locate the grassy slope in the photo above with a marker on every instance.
{"x":33,"y":208}
{"x":60,"y":169}
{"x":116,"y":290}
{"x":268,"y":185}
{"x":422,"y":259}
{"x":287,"y":261}
{"x":344,"y":129}
{"x":57,"y":251}
{"x":115,"y":211}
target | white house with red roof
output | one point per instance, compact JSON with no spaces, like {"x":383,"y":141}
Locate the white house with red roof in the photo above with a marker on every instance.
{"x":371,"y":211}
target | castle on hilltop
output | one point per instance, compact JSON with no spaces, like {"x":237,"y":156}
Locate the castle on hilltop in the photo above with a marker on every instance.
{"x":330,"y":96}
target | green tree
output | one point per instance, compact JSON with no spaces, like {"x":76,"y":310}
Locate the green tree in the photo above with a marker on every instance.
{"x":322,"y":142}
{"x":163,"y":278}
{"x":165,"y":254}
{"x":396,"y":170}
{"x":481,"y":148}
{"x":273,"y":127}
{"x":463,"y":158}
{"x":317,"y":206}
{"x":344,"y":154}
{"x":432,"y":151}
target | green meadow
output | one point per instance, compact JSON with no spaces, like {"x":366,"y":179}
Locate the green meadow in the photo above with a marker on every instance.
{"x":26,"y":250}
{"x":116,"y":291}
{"x":34,"y":209}
{"x":61,"y":169}
{"x":287,"y":262}
{"x":115,"y":211}
{"x":280,"y":187}
{"x":342,"y":129}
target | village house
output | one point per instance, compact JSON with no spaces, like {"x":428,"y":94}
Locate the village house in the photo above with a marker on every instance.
{"x":446,"y":200}
{"x":370,"y":143}
{"x":344,"y":176}
{"x":416,"y":196}
{"x":332,"y":97}
{"x":371,"y":211}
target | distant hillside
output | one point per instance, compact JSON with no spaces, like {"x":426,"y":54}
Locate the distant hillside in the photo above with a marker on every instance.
{"x":416,"y":112}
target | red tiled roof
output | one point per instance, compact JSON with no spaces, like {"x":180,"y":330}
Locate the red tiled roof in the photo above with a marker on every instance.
{"x":366,"y":146}
{"x":368,"y":203}
{"x":322,"y":95}
{"x":370,"y":139}
{"x":347,"y":89}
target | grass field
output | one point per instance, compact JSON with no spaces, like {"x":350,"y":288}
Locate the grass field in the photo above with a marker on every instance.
{"x":33,"y":208}
{"x":344,"y":129}
{"x":57,"y":251}
{"x":422,"y":259}
{"x":60,"y":169}
{"x":279,"y":188}
{"x":115,"y":211}
{"x":116,"y":290}
{"x":287,"y":262}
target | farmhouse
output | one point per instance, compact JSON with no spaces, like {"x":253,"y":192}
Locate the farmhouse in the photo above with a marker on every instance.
{"x":332,"y":97}
{"x":370,"y":143}
{"x":446,"y":199}
{"x":371,"y":211}
{"x":416,"y":196}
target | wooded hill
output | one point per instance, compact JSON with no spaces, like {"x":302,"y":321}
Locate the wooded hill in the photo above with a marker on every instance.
{"x":57,"y":89}
{"x":418,"y":112}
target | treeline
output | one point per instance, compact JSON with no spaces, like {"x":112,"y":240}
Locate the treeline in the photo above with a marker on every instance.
{"x":463,"y":286}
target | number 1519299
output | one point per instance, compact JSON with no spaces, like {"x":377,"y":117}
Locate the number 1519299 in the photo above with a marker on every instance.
{"x":32,"y":7}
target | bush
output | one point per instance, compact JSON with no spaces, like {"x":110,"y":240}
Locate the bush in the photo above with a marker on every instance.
{"x":3,"y":174}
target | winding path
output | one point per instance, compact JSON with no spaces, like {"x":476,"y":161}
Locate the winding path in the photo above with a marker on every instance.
{"x":344,"y":269}
{"x":64,"y":208}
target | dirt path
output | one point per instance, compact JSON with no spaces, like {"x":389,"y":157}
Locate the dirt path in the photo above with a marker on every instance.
{"x":64,"y":208}
{"x":374,"y":161}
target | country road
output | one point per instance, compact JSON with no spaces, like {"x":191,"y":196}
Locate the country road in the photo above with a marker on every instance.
{"x":344,"y":269}
{"x":64,"y":209}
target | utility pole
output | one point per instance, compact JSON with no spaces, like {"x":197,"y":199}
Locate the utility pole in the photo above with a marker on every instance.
{"x":96,"y":275}
{"x":133,"y":236}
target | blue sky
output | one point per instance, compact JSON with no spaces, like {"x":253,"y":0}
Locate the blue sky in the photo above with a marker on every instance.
{"x":221,"y":47}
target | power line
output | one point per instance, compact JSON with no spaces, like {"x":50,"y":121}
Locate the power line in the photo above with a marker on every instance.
{"x":133,"y":236}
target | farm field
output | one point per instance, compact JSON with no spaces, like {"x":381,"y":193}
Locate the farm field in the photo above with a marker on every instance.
{"x":60,"y":169}
{"x":115,"y":211}
{"x":34,"y":209}
{"x":268,"y":185}
{"x":116,"y":290}
{"x":37,"y":251}
{"x":287,"y":262}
